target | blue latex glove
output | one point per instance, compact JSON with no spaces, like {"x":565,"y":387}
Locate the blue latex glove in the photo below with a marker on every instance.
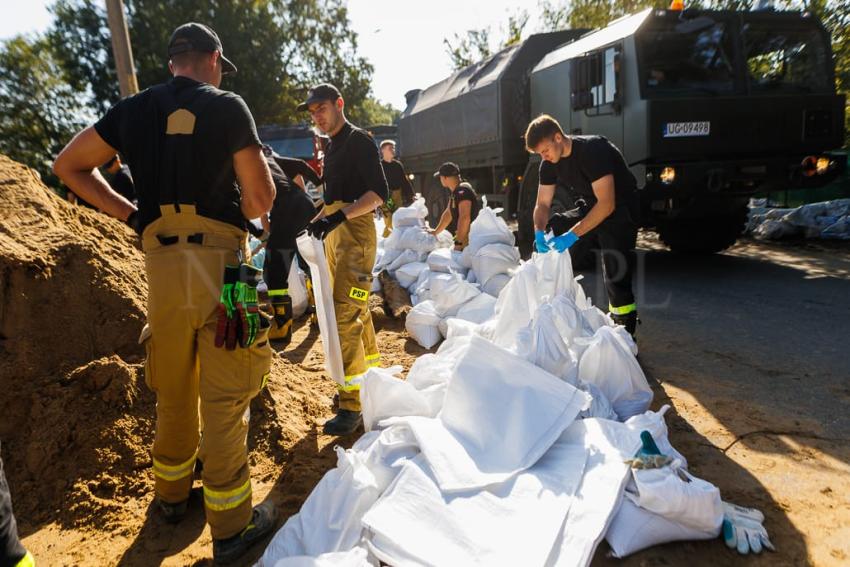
{"x":540,"y":242}
{"x":563,"y":242}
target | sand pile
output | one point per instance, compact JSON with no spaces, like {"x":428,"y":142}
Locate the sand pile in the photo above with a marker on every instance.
{"x":75,"y":418}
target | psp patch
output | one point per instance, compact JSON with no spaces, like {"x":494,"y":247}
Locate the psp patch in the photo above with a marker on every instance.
{"x":358,"y":294}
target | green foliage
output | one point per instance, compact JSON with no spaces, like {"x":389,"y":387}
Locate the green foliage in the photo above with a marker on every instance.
{"x":373,"y":112}
{"x":39,"y":110}
{"x":475,"y":45}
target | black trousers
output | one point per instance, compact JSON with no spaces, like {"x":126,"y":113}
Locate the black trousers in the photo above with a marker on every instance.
{"x":11,"y":550}
{"x":277,"y":265}
{"x":291,"y":213}
{"x":616,"y":240}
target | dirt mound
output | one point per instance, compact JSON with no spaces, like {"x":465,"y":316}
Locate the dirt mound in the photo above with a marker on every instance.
{"x":76,"y":421}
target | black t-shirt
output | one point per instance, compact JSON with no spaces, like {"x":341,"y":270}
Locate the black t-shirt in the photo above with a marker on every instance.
{"x":192,"y":163}
{"x":463,"y":192}
{"x":122,"y":183}
{"x":291,"y":212}
{"x":396,"y":179}
{"x":592,"y":158}
{"x":352,"y":167}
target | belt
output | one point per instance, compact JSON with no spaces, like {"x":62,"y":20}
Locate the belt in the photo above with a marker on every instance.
{"x":201,"y":239}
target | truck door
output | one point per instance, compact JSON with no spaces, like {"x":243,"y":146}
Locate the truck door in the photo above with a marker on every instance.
{"x":597,"y":94}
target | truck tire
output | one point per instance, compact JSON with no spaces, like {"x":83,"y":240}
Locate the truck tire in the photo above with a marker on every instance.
{"x":703,"y":236}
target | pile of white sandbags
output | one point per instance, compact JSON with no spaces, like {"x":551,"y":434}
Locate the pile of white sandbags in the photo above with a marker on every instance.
{"x":444,"y":283}
{"x":510,"y":445}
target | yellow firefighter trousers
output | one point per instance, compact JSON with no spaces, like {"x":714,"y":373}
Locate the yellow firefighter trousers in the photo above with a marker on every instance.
{"x":187,"y":372}
{"x":350,"y":249}
{"x":388,"y":211}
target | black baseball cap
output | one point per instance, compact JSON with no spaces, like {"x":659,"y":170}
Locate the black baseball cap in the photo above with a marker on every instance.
{"x":448,"y":169}
{"x":198,"y":37}
{"x":325,"y":91}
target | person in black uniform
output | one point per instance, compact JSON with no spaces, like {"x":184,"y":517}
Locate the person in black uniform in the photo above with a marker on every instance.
{"x":593,"y":170}
{"x":354,"y":187}
{"x":291,"y":213}
{"x":463,"y":206}
{"x":401,"y":191}
{"x":12,"y":553}
{"x":199,"y":173}
{"x":120,"y":178}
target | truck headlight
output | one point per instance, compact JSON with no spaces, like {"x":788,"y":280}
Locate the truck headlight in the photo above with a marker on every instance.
{"x":822,"y":165}
{"x":668,"y":175}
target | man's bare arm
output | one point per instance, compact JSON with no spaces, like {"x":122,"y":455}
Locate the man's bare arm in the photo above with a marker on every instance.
{"x":603,"y":189}
{"x":76,"y":165}
{"x":545,"y":194}
{"x":255,"y":179}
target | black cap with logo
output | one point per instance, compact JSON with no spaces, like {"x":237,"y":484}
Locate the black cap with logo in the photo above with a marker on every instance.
{"x":319,"y":93}
{"x":198,"y":37}
{"x":448,"y":169}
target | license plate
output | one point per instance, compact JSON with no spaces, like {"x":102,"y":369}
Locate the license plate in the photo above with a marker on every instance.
{"x":686,"y":129}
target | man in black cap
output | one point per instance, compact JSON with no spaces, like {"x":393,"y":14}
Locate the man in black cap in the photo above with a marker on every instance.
{"x":354,"y":187}
{"x":463,"y":206}
{"x":199,"y":174}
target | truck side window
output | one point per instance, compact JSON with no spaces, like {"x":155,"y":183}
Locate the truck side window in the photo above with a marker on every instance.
{"x":595,"y":79}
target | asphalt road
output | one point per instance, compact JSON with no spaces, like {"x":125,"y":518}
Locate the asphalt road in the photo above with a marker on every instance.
{"x":768,"y":321}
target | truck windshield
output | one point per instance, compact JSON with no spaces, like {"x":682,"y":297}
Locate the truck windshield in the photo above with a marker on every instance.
{"x":687,"y":58}
{"x":301,"y":148}
{"x":784,"y":59}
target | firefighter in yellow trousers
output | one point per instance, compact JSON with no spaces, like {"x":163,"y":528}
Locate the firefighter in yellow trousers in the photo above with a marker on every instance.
{"x":354,"y":187}
{"x":196,"y":160}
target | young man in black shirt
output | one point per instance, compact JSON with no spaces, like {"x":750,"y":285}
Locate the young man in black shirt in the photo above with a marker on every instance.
{"x":593,"y":169}
{"x":463,"y":206}
{"x":401,"y":191}
{"x":199,"y":173}
{"x":354,"y":187}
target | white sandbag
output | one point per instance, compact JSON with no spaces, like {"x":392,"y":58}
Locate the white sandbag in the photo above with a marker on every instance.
{"x":412,"y":215}
{"x":499,"y":417}
{"x":297,"y":282}
{"x":653,"y":421}
{"x":488,"y":228}
{"x":516,"y":305}
{"x":357,"y":557}
{"x":480,"y":308}
{"x":494,"y":259}
{"x":445,"y":260}
{"x":513,"y":523}
{"x":496,"y":284}
{"x":330,"y":519}
{"x":459,"y":328}
{"x":408,"y":274}
{"x":449,"y":298}
{"x":569,"y":319}
{"x":445,"y":239}
{"x":419,"y":239}
{"x":608,"y":364}
{"x":385,"y":394}
{"x":471,"y":277}
{"x":406,"y":257}
{"x":422,"y":323}
{"x":607,"y":444}
{"x":679,"y":496}
{"x":443,"y":326}
{"x":542,"y":344}
{"x":634,"y":529}
{"x":599,"y":407}
{"x":386,"y":259}
{"x":313,"y":252}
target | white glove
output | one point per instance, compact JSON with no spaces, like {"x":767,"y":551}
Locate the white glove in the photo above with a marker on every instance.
{"x":743,"y":529}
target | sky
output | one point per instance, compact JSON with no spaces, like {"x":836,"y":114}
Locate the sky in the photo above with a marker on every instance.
{"x":403,"y":39}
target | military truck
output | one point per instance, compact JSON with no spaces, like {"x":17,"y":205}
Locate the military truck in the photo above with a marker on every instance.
{"x":708,"y":107}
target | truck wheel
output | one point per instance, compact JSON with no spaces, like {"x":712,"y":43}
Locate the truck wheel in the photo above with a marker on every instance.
{"x":703,"y":236}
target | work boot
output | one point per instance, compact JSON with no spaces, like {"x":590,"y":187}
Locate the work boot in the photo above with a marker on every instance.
{"x":172,"y":512}
{"x":262,"y":522}
{"x":280,"y":333}
{"x":344,"y":423}
{"x":629,"y":321}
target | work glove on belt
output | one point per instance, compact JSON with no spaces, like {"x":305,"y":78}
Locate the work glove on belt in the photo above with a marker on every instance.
{"x":238,"y":313}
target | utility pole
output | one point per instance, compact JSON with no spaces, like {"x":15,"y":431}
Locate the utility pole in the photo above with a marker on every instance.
{"x":121,"y":48}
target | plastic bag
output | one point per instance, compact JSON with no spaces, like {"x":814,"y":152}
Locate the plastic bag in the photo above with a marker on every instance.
{"x":423,"y":324}
{"x":408,"y":275}
{"x":608,"y":364}
{"x":494,"y":259}
{"x":410,"y":216}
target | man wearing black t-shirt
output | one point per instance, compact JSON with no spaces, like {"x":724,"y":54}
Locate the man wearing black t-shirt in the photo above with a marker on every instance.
{"x":592,"y":169}
{"x":354,"y":187}
{"x":401,"y":191}
{"x":199,"y":173}
{"x":463,"y":206}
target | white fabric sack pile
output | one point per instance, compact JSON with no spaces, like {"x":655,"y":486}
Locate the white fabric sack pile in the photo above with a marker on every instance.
{"x":494,"y":259}
{"x":445,"y":260}
{"x":408,"y":274}
{"x":412,"y":215}
{"x":423,"y":324}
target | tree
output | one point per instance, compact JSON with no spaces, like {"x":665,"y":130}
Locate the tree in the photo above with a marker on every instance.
{"x":39,"y":110}
{"x":475,"y":44}
{"x":281,"y":47}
